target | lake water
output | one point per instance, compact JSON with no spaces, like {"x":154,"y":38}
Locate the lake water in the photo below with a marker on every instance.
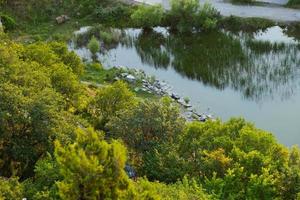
{"x":250,"y":75}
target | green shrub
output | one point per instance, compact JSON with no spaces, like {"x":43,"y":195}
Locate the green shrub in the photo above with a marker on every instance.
{"x":8,"y":22}
{"x":207,"y":17}
{"x":181,"y":190}
{"x":293,"y":3}
{"x":182,"y":15}
{"x":96,"y":66}
{"x":94,"y":45}
{"x":92,"y":168}
{"x":186,"y":15}
{"x":114,"y":13}
{"x":10,"y":188}
{"x":106,"y":37}
{"x":148,"y":16}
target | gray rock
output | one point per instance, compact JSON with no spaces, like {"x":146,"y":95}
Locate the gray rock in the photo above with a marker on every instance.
{"x":187,"y":105}
{"x":203,"y":118}
{"x":116,"y":79}
{"x":175,"y":96}
{"x":181,"y":101}
{"x":124,"y":75}
{"x":62,"y":19}
{"x":130,"y":78}
{"x":190,"y":109}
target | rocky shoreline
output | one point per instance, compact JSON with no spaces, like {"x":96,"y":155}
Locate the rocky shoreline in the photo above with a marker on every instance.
{"x":152,"y":85}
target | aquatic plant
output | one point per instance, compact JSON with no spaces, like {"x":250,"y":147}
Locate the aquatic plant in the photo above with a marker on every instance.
{"x":94,"y":45}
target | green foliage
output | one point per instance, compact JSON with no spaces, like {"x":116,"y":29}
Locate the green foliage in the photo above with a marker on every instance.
{"x":238,"y":162}
{"x":114,"y":14}
{"x":92,"y":168}
{"x":26,"y":125}
{"x":110,"y":100}
{"x":43,"y":184}
{"x":96,"y":73}
{"x":181,"y":190}
{"x":63,"y":66}
{"x":41,"y":100}
{"x":151,"y":130}
{"x":8,"y":22}
{"x":182,"y":14}
{"x":148,"y":16}
{"x":294,"y":3}
{"x":188,"y":14}
{"x":207,"y":17}
{"x":10,"y":189}
{"x":69,"y":58}
{"x":36,"y":93}
{"x":148,"y":124}
{"x":94,"y":45}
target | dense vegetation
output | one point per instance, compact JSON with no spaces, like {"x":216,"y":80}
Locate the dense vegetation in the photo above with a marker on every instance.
{"x":294,"y":3}
{"x":63,"y":139}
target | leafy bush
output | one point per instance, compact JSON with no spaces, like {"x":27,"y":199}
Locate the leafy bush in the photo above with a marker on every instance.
{"x":110,"y":100}
{"x":96,"y":66}
{"x":159,"y":122}
{"x":186,"y":15}
{"x":10,"y":189}
{"x":294,"y":3}
{"x":92,"y":168}
{"x":181,"y":190}
{"x":36,"y":88}
{"x":42,"y":185}
{"x":207,"y":17}
{"x":106,"y":37}
{"x":182,"y":14}
{"x":8,"y":22}
{"x":114,"y":13}
{"x":150,"y":130}
{"x":147,"y":16}
{"x":236,"y":160}
{"x":94,"y":45}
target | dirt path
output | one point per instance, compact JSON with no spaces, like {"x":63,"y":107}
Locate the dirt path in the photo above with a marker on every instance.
{"x":277,"y":13}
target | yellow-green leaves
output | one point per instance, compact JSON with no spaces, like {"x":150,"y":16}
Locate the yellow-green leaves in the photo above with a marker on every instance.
{"x":92,"y":168}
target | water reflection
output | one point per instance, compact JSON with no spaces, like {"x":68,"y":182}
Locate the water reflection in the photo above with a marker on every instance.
{"x":248,"y":63}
